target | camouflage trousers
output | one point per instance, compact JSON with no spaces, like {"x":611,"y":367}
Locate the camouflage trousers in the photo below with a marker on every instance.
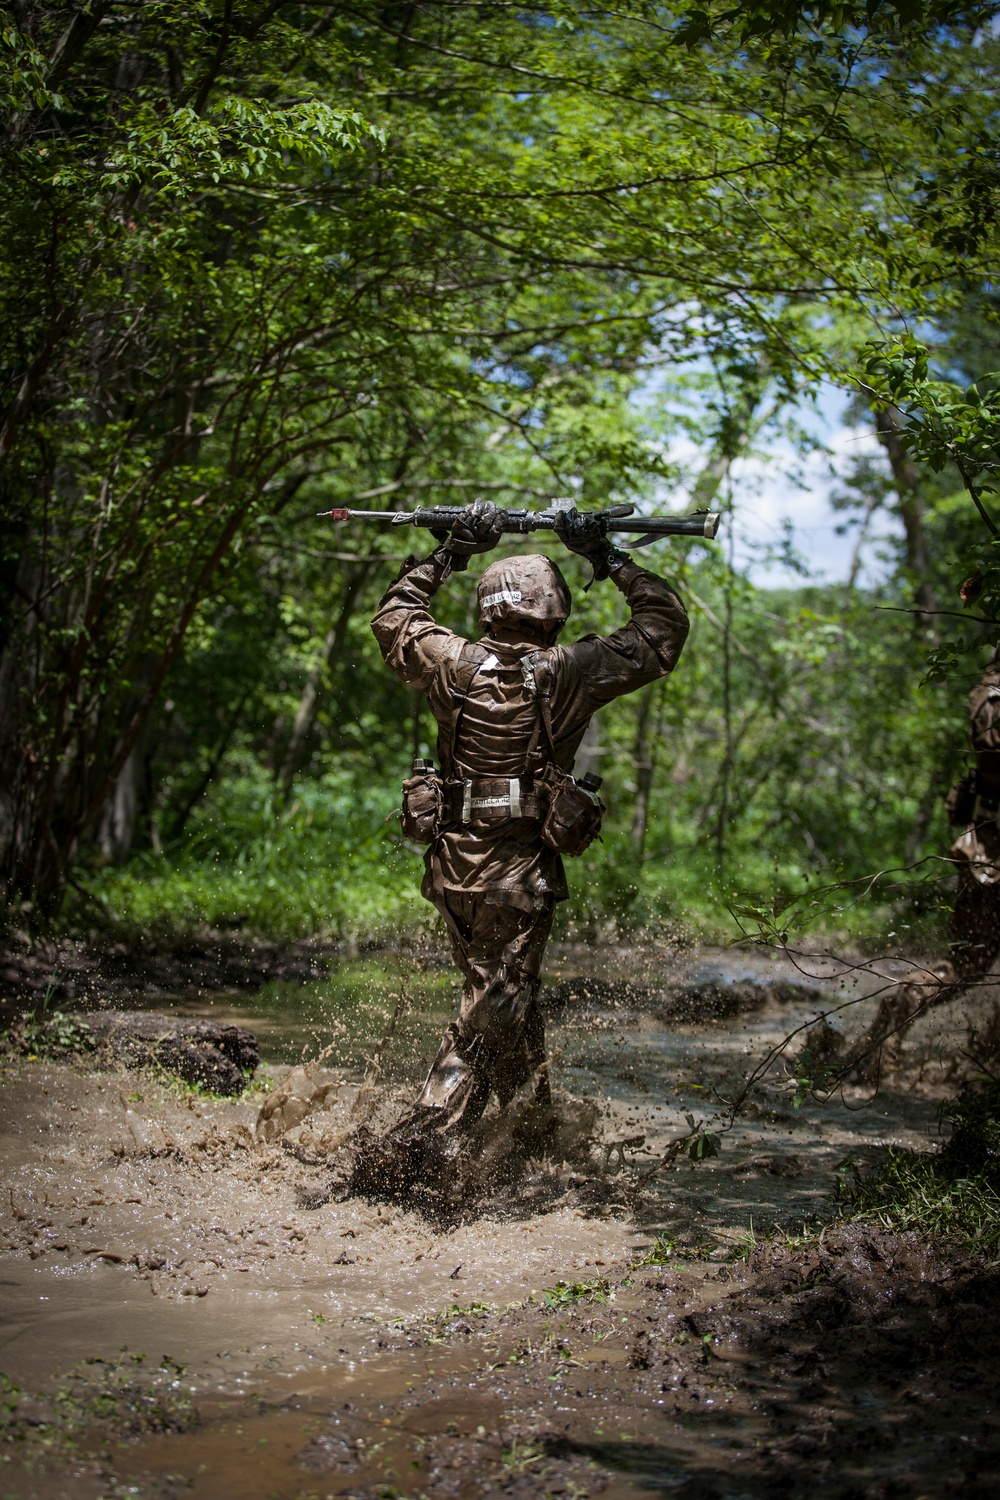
{"x":974,"y":930}
{"x":497,"y":1042}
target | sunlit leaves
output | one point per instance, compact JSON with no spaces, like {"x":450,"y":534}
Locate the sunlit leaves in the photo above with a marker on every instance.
{"x":237,"y":141}
{"x":259,"y":259}
{"x":947,"y":425}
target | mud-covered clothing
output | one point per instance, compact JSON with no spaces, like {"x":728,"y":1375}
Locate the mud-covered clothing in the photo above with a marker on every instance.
{"x":978,"y":848}
{"x":496,"y":686}
{"x":498,"y":1040}
{"x":488,"y":873}
{"x":974,"y":925}
{"x":984,"y":727}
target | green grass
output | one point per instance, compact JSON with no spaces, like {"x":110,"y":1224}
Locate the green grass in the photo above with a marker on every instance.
{"x":373,"y":896}
{"x":953,"y":1192}
{"x":331,"y":866}
{"x":569,"y":1293}
{"x":911,"y":1191}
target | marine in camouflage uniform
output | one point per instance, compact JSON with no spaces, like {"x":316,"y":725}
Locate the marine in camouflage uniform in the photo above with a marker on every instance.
{"x":974,"y":927}
{"x":488,"y":872}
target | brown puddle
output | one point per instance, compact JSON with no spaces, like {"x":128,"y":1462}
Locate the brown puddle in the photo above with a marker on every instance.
{"x":298,"y":1452}
{"x":843,"y":1369}
{"x":277,"y":1305}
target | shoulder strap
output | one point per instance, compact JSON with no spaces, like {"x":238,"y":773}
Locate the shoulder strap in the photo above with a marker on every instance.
{"x":540,"y":691}
{"x":471,"y":659}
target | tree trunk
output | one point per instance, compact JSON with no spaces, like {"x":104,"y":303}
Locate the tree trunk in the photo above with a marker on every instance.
{"x":906,"y":477}
{"x":643,"y":757}
{"x":319,"y":677}
{"x":872,"y":505}
{"x":121,"y":812}
{"x":929,"y":802}
{"x":62,"y":781}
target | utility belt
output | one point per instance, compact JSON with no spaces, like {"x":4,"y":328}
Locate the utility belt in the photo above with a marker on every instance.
{"x":491,"y":799}
{"x":569,"y":811}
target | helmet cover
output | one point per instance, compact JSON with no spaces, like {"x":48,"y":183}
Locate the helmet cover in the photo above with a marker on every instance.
{"x":529,"y":589}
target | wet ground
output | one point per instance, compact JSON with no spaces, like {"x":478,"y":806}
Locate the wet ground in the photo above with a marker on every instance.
{"x":286,"y":1344}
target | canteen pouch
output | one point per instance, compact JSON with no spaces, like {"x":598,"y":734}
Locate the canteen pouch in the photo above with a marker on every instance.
{"x":572,"y":811}
{"x":423,"y":806}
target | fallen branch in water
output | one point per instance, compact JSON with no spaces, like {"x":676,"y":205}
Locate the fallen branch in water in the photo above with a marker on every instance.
{"x":701,"y":1143}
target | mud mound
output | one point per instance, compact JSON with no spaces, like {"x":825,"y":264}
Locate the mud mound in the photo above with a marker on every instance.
{"x":220,"y":1058}
{"x":113,"y":970}
{"x":712,"y":996}
{"x":118,"y":971}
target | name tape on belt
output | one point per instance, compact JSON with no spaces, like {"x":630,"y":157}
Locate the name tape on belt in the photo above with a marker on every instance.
{"x":512,"y":801}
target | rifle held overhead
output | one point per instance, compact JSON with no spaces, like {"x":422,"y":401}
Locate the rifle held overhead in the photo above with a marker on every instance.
{"x":619,"y":518}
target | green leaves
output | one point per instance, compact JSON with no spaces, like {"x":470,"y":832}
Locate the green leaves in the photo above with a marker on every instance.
{"x":772,"y":19}
{"x":237,"y":141}
{"x":947,"y":425}
{"x":255,"y":259}
{"x":815,"y":1074}
{"x":704,"y":1143}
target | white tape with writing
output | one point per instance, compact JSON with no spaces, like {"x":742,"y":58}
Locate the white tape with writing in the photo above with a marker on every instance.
{"x":508,"y":596}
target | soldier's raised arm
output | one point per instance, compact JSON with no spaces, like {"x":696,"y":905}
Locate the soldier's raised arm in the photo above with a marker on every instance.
{"x":647,"y":647}
{"x":412,"y":642}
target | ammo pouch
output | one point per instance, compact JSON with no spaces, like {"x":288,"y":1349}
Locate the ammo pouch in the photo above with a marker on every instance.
{"x":423,"y":804}
{"x":573,"y":811}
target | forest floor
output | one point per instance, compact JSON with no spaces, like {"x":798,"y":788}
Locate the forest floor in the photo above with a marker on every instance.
{"x":189,"y":1311}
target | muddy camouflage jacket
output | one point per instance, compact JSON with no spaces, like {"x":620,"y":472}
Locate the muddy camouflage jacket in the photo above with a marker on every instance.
{"x":496,"y":684}
{"x":980,"y":844}
{"x":984,"y":729}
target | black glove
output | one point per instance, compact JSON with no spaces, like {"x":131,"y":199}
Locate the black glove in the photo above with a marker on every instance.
{"x":587,"y":537}
{"x":478,"y":529}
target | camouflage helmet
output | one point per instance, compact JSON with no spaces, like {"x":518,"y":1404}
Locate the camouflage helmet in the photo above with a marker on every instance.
{"x":529,"y":589}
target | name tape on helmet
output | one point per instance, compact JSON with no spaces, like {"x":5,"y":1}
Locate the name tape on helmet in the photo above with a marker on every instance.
{"x":508,"y":596}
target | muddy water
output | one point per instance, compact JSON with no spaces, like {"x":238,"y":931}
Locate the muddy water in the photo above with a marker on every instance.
{"x":777,"y":1163}
{"x":229,"y":1257}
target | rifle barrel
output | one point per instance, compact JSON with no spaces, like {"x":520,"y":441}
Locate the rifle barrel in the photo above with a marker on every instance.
{"x":389,"y":516}
{"x":705,"y":524}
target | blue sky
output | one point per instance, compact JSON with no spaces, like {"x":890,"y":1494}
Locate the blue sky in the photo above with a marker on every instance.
{"x":777,"y":484}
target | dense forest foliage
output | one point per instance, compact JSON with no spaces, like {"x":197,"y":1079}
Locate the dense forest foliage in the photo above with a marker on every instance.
{"x":261,"y":259}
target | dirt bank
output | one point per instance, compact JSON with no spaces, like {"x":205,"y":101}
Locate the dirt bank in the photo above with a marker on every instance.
{"x":113,"y":971}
